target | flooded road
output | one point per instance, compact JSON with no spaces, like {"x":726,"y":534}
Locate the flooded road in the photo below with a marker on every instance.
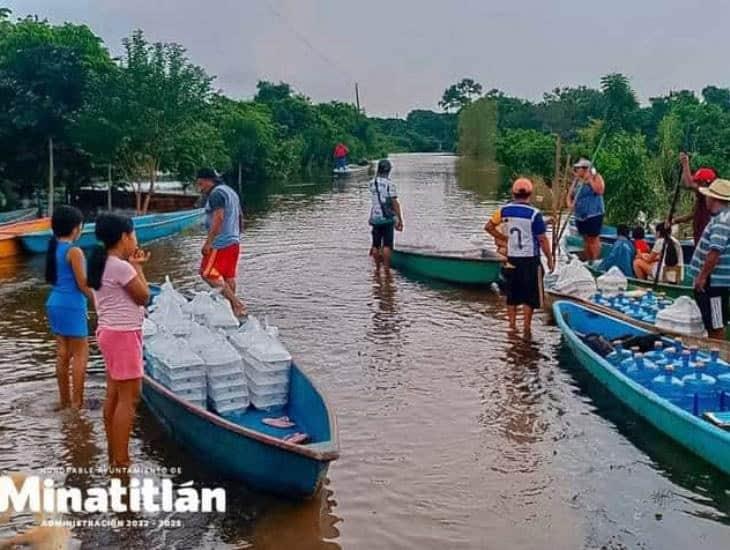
{"x":453,"y":434}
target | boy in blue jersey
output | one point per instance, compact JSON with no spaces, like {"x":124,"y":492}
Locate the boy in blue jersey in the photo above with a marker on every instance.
{"x":710,"y":265}
{"x":524,"y":235}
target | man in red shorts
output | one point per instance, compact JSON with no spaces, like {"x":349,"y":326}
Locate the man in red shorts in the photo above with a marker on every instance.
{"x":224,"y":222}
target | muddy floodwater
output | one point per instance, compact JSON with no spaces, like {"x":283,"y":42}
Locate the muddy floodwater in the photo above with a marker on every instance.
{"x":453,"y":433}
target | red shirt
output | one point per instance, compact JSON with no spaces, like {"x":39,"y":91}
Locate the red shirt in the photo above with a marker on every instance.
{"x":341,"y":151}
{"x":701,"y":217}
{"x":642,"y":247}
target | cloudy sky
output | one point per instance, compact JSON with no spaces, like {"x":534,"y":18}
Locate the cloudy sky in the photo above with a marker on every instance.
{"x":405,"y":52}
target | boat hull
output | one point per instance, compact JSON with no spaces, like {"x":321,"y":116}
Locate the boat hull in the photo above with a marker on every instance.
{"x":352,"y":171}
{"x":672,"y":291}
{"x":702,"y":438}
{"x":608,"y":237}
{"x":17,"y":216}
{"x":147,"y":228}
{"x":262,"y":462}
{"x":463,"y":271}
{"x":10,"y":244}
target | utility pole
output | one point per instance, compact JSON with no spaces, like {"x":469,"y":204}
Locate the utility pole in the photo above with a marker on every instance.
{"x":357,"y":97}
{"x":109,"y":190}
{"x":50,"y":176}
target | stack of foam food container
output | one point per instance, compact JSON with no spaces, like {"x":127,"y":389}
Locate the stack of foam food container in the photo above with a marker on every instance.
{"x":227,"y":390}
{"x":221,"y":318}
{"x":173,"y":363}
{"x":267,"y":364}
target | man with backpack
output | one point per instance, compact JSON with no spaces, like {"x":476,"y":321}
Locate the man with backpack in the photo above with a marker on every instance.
{"x":386,"y":215}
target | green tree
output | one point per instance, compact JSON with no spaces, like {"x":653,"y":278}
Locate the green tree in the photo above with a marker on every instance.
{"x":621,"y":104}
{"x":527,"y":152}
{"x":478,"y":130}
{"x":459,"y":95}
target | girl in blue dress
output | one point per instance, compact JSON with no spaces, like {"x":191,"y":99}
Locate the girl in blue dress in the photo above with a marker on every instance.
{"x":67,"y":304}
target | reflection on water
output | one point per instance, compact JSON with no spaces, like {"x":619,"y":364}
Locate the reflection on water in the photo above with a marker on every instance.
{"x":453,"y":433}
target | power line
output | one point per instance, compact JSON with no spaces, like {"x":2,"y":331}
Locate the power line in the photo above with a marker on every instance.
{"x":304,"y":40}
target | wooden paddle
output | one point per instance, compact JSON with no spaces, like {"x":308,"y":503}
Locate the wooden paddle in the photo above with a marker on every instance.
{"x":667,"y":239}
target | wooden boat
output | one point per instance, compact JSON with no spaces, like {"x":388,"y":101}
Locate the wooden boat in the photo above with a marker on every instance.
{"x":14,"y":216}
{"x":672,"y":291}
{"x":608,"y":237}
{"x":551,"y":297}
{"x":10,"y":244}
{"x":352,"y":170}
{"x":241,"y":447}
{"x":147,"y":228}
{"x":474,"y":267}
{"x":699,"y":436}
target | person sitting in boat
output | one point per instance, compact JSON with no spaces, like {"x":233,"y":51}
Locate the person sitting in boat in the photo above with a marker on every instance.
{"x":638,"y":237}
{"x":710,"y":266}
{"x":524,"y":236}
{"x":586,"y":200}
{"x":645,"y":265}
{"x":340,"y":155}
{"x":622,"y":253}
{"x":702,"y":178}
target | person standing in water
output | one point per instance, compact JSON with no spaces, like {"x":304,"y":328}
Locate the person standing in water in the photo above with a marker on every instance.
{"x":121,"y":292}
{"x":66,"y":306}
{"x":222,"y":247}
{"x":524,"y":236}
{"x":585,"y":198}
{"x":340,"y":154}
{"x":386,"y":214}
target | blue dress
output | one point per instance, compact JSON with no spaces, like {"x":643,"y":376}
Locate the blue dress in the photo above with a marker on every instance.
{"x":66,"y":305}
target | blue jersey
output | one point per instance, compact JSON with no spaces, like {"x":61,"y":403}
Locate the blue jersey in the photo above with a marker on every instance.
{"x":523,"y":224}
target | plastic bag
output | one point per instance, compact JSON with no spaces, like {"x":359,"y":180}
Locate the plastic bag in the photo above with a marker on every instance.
{"x":575,"y":280}
{"x":149,"y":328}
{"x":168,"y":290}
{"x":683,"y":316}
{"x":248,"y":334}
{"x":202,"y":306}
{"x":222,"y":317}
{"x":169,"y":315}
{"x":612,"y":282}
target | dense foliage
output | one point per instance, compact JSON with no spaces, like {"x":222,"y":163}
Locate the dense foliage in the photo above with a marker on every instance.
{"x":152,"y":112}
{"x":641,"y":144}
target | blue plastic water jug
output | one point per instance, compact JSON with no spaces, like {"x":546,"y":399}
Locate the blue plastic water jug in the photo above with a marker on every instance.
{"x":669,"y":387}
{"x":701,"y":388}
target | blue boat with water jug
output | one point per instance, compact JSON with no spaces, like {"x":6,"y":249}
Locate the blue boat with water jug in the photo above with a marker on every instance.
{"x":148,"y":228}
{"x":669,"y":413}
{"x":240,"y":447}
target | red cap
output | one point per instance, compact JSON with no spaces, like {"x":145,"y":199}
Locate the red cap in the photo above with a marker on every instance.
{"x":522,"y":186}
{"x":704,"y":175}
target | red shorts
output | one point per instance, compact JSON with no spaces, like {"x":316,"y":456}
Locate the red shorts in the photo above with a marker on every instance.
{"x":221,"y":264}
{"x":122,"y":352}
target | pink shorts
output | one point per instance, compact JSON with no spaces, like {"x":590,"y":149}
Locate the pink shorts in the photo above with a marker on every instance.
{"x":122,"y":352}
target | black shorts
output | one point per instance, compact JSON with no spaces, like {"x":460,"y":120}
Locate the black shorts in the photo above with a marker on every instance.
{"x":713,"y":304}
{"x":383,"y":235}
{"x":523,"y":282}
{"x":590,"y":227}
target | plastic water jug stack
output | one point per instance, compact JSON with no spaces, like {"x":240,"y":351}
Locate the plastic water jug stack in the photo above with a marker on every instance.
{"x":716,"y":366}
{"x":642,"y":370}
{"x":701,"y":388}
{"x":669,"y":387}
{"x":619,"y":354}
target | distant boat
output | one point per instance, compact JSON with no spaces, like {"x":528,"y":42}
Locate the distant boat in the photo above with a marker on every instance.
{"x":474,"y":267}
{"x":14,"y":216}
{"x":10,"y":233}
{"x":148,"y":228}
{"x":352,"y":170}
{"x":608,"y":237}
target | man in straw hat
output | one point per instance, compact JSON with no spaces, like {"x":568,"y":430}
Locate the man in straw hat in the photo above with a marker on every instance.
{"x":524,"y":236}
{"x":585,"y":198}
{"x":710,"y":264}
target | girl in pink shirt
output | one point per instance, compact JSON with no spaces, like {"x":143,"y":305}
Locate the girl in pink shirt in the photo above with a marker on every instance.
{"x":121,"y":292}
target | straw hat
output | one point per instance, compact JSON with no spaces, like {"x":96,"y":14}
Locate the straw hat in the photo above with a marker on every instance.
{"x":718,"y":189}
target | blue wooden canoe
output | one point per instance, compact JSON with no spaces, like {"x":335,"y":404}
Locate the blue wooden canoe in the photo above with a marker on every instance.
{"x":14,"y":216}
{"x":608,"y":237}
{"x":241,"y":447}
{"x":699,"y":436}
{"x":147,"y":228}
